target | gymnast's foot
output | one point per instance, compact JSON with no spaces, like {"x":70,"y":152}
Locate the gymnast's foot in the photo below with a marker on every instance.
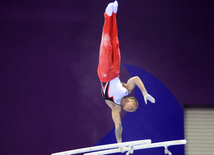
{"x":115,"y":6}
{"x":109,"y":9}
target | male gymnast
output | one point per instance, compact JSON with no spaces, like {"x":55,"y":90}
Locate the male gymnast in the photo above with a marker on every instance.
{"x":113,"y":90}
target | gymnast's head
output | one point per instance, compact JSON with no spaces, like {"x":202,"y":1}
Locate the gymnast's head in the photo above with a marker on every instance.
{"x":130,"y":104}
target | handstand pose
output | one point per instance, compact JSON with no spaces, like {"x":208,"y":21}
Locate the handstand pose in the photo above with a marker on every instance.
{"x":113,"y":90}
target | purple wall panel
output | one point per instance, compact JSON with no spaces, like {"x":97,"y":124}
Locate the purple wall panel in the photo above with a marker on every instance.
{"x":49,"y":90}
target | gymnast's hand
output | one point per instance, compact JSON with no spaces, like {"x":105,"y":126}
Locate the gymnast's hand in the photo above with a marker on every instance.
{"x":122,"y":149}
{"x":148,"y":97}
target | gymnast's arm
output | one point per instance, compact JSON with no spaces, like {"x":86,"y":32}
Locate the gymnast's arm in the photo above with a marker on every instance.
{"x":116,"y":110}
{"x":136,"y":81}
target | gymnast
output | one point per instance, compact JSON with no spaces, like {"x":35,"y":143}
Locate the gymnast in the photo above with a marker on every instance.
{"x":113,"y":90}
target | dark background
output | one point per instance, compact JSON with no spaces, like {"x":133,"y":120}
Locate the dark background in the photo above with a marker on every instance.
{"x":49,"y":89}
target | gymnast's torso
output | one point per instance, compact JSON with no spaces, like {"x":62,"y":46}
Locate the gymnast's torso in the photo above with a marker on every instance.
{"x":114,"y":90}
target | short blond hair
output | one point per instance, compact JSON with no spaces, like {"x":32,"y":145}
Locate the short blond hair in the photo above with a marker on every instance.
{"x":135,"y":101}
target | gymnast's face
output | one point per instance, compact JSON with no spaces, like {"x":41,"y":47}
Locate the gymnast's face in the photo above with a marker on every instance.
{"x":130,"y":106}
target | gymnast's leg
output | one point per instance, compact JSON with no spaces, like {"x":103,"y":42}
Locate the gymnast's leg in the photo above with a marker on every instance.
{"x":105,"y":69}
{"x":115,"y":41}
